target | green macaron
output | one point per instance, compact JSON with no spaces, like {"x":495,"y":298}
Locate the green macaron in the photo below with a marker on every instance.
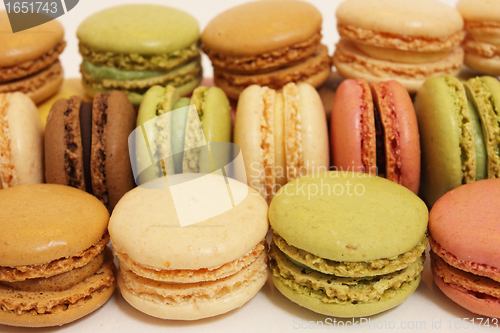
{"x":484,"y":92}
{"x":347,"y":244}
{"x":133,"y":47}
{"x":459,"y":124}
{"x":181,"y":136}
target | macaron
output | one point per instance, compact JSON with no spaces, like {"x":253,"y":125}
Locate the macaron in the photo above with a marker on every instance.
{"x":190,"y":272}
{"x":482,"y":44}
{"x":86,"y":145}
{"x":374,"y":129}
{"x":347,"y":244}
{"x":55,"y":267}
{"x":70,"y":87}
{"x":464,"y":231}
{"x":134,"y":47}
{"x":407,"y":42}
{"x":282,"y":135}
{"x":21,"y":141}
{"x":267,"y":43}
{"x":459,"y":133}
{"x":29,"y":59}
{"x":176,"y":137}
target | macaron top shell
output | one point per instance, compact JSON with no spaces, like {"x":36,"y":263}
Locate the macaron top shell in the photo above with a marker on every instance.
{"x":142,"y":29}
{"x":29,"y":44}
{"x":465,"y":222}
{"x":346,"y":216}
{"x":479,"y":10}
{"x":144,"y":225}
{"x":261,"y":26}
{"x":426,"y":18}
{"x":44,"y":222}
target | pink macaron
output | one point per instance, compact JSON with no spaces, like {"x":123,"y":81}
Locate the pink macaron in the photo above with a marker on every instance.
{"x":374,"y":129}
{"x":464,"y":227}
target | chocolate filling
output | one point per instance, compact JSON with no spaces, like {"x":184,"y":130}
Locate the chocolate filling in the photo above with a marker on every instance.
{"x":72,"y":157}
{"x":86,"y":134}
{"x":98,"y":171}
{"x":380,"y":139}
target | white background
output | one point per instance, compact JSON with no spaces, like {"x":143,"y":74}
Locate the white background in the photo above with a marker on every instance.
{"x":426,"y":310}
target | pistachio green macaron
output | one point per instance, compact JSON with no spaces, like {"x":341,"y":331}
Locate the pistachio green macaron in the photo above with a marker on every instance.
{"x":347,"y":244}
{"x":133,"y":47}
{"x":179,"y":131}
{"x":459,"y":124}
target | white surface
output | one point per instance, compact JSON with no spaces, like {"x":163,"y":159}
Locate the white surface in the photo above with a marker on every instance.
{"x":269,"y":311}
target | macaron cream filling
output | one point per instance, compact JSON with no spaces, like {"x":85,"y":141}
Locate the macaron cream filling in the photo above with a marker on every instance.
{"x":315,"y":64}
{"x":464,"y":265}
{"x":462,"y":113}
{"x":43,"y":300}
{"x":347,"y":53}
{"x":265,"y":62}
{"x":180,"y":294}
{"x":139,"y":62}
{"x":407,"y":43}
{"x":478,"y":286}
{"x":351,"y":269}
{"x":109,"y":78}
{"x":55,"y":267}
{"x":191,"y":276}
{"x":342,"y":290}
{"x":7,"y":172}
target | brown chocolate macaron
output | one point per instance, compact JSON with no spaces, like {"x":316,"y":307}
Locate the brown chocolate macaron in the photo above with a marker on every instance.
{"x":268,"y":43}
{"x":86,"y":145}
{"x":55,"y":266}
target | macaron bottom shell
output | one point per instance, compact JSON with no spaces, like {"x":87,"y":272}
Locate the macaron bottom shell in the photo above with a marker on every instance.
{"x":486,"y":306}
{"x":350,"y":310}
{"x":195,"y":307}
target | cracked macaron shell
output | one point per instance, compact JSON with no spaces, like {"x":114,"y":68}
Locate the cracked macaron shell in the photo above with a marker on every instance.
{"x":448,"y":156}
{"x":41,"y":235}
{"x":139,"y":29}
{"x":385,"y":221}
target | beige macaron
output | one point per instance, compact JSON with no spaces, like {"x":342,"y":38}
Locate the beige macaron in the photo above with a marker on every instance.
{"x":482,"y":44}
{"x":21,"y":141}
{"x":54,"y":264}
{"x":406,"y":41}
{"x":174,"y":271}
{"x":282,"y":135}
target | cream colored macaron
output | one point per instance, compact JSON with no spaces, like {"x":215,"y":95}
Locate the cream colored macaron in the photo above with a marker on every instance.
{"x":406,"y":41}
{"x":282,"y":134}
{"x":482,"y":44}
{"x":21,"y":141}
{"x":174,"y":271}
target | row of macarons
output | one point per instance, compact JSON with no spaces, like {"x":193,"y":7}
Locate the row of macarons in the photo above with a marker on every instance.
{"x":56,"y":268}
{"x":134,"y":47}
{"x":449,"y":136}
